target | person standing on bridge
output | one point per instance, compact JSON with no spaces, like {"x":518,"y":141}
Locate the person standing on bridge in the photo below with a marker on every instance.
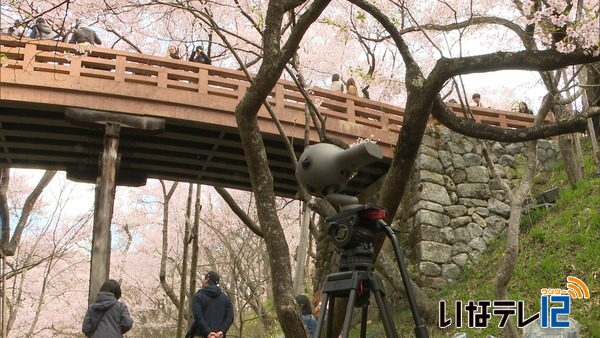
{"x":523,"y":109}
{"x":199,"y":56}
{"x":351,"y":85}
{"x":41,"y":30}
{"x":17,"y":29}
{"x":173,"y":53}
{"x":336,"y":83}
{"x":477,"y":99}
{"x":83,"y":35}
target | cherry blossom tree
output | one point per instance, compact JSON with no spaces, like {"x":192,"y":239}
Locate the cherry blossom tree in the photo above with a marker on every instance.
{"x":50,"y":244}
{"x":418,"y":51}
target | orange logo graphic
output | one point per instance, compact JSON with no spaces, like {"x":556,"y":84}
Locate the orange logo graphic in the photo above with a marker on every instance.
{"x":577,"y":288}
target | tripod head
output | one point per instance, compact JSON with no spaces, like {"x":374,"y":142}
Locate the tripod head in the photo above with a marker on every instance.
{"x":353,"y":231}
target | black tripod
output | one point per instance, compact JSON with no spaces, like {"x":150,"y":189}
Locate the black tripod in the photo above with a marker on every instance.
{"x":353,"y":231}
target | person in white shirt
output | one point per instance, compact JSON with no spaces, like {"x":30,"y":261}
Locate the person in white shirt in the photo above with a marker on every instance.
{"x":478,"y":103}
{"x":336,"y":83}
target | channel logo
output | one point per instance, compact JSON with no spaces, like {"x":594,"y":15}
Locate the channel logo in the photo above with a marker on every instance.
{"x":555,"y":304}
{"x":549,"y":315}
{"x":577,"y":288}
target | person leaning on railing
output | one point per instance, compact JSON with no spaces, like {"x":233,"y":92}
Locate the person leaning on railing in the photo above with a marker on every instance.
{"x":41,"y":30}
{"x":524,"y":109}
{"x":351,"y":85}
{"x":83,"y":35}
{"x":199,"y":56}
{"x":17,"y":29}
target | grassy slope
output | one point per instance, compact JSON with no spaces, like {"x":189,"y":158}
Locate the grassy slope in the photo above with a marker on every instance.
{"x":564,"y":241}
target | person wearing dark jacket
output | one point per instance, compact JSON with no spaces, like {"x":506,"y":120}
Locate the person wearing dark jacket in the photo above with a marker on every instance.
{"x":41,"y":30}
{"x":213,"y":311}
{"x":198,"y":55}
{"x":83,"y":35}
{"x":107,"y":317}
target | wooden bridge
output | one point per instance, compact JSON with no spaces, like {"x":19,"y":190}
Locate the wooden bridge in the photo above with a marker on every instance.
{"x":56,"y":98}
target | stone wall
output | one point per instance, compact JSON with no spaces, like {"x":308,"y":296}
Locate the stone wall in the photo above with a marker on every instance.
{"x":454,"y":208}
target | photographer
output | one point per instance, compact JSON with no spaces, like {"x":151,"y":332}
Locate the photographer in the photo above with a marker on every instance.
{"x":199,"y":56}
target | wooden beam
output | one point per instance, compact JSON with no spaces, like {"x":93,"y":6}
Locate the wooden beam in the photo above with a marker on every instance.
{"x":105,"y":193}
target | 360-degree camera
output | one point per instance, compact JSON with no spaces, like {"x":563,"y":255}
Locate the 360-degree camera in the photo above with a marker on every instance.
{"x":326,"y":169}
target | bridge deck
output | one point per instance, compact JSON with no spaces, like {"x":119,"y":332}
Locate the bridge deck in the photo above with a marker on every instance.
{"x":200,"y":143}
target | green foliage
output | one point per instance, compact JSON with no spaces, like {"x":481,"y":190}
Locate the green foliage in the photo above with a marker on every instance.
{"x":360,"y":16}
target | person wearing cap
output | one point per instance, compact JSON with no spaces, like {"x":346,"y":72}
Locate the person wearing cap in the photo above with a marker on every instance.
{"x":199,"y":56}
{"x":213,"y":311}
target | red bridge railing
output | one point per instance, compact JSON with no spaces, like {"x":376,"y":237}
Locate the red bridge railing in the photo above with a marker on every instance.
{"x":155,"y":71}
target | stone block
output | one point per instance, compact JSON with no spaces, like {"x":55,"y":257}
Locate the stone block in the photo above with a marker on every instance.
{"x":426,"y":162}
{"x":474,"y":230}
{"x":473,"y":190}
{"x":499,"y":208}
{"x":434,"y":192}
{"x":462,"y":235}
{"x":460,"y":221}
{"x":459,"y":248}
{"x":429,"y":269}
{"x":428,"y":176}
{"x":473,"y":202}
{"x":455,"y":210}
{"x":433,"y":252}
{"x":478,"y":174}
{"x":472,"y":159}
{"x":427,"y":205}
{"x":450,"y":271}
{"x":462,"y":259}
{"x":430,"y":233}
{"x":478,"y":243}
{"x":427,"y":217}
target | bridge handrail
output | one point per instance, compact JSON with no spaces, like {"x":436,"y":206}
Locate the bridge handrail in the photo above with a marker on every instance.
{"x":123,"y":66}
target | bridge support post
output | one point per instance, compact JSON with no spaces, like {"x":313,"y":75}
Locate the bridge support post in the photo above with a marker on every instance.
{"x":106,"y":180}
{"x":103,"y":210}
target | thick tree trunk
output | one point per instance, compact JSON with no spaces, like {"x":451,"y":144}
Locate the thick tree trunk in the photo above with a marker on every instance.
{"x":277,"y":248}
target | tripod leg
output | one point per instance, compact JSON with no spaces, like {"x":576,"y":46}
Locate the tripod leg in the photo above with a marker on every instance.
{"x":388,"y":323}
{"x":330,"y":309}
{"x":363,"y":321}
{"x":420,"y":329}
{"x":322,"y":313}
{"x":349,"y":309}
